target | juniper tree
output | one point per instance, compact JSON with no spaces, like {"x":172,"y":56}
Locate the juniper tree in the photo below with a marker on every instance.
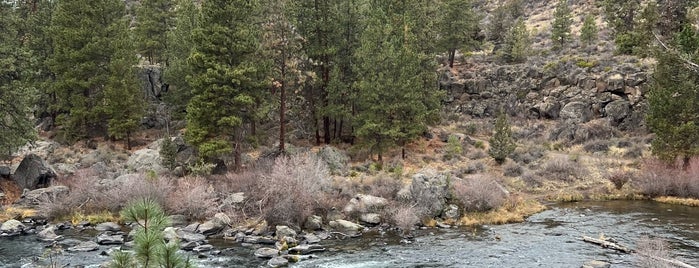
{"x":180,"y":40}
{"x":502,"y":144}
{"x":458,"y":27}
{"x":517,"y":43}
{"x":588,"y":32}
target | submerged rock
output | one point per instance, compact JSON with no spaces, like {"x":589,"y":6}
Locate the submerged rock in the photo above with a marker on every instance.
{"x":48,"y":234}
{"x":84,"y":247}
{"x":277,"y":262}
{"x":110,"y":239}
{"x":596,"y":264}
{"x":266,"y":253}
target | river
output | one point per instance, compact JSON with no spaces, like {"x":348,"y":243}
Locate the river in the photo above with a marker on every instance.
{"x":548,"y":239}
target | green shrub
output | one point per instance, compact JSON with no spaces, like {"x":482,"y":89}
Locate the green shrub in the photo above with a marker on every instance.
{"x":501,"y":144}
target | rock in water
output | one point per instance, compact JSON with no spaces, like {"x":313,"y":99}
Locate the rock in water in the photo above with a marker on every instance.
{"x":596,"y":264}
{"x":277,"y":262}
{"x":266,"y":253}
{"x":108,"y":227}
{"x":48,"y":234}
{"x":12,"y":227}
{"x":84,"y":247}
{"x":284,"y":231}
{"x":107,"y":239}
{"x":33,"y":172}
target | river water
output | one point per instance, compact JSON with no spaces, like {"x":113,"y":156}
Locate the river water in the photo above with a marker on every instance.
{"x":547,"y":239}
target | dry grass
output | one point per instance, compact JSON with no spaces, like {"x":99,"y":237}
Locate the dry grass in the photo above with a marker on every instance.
{"x":660,"y":179}
{"x":9,"y":213}
{"x":678,"y":201}
{"x":516,"y":209}
{"x":562,"y":169}
{"x":11,"y":190}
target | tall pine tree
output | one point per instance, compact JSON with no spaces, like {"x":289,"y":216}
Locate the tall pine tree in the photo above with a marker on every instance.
{"x":226,"y":78}
{"x":181,"y":44}
{"x":153,"y":20}
{"x":458,"y":27}
{"x":84,"y":34}
{"x":562,"y":20}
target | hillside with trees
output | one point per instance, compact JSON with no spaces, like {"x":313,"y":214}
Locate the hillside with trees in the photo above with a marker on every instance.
{"x":454,"y":112}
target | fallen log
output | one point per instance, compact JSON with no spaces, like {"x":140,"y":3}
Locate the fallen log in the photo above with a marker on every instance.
{"x":607,"y":244}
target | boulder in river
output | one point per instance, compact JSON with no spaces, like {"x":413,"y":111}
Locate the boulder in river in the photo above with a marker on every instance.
{"x":277,"y":262}
{"x":346,"y":225}
{"x":266,"y":253}
{"x":84,"y":247}
{"x":33,"y":172}
{"x":108,"y":227}
{"x":306,"y":249}
{"x":48,"y":234}
{"x":284,"y":231}
{"x":110,"y":239}
{"x":12,"y":227}
{"x":596,"y":264}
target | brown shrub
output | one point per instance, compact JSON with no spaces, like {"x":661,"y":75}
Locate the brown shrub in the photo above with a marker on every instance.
{"x":562,"y":169}
{"x":512,"y":169}
{"x":11,"y":191}
{"x":479,"y":193}
{"x":192,"y":197}
{"x":619,"y":178}
{"x":292,"y":189}
{"x":383,"y":186}
{"x":405,"y":217}
{"x":648,"y":250}
{"x":660,"y":179}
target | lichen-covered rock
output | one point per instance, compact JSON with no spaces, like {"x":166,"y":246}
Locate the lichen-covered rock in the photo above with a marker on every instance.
{"x":84,"y":247}
{"x":362,"y":203}
{"x":266,"y":253}
{"x":12,"y":227}
{"x":344,"y":225}
{"x":337,"y":160}
{"x":429,"y":190}
{"x":284,"y":231}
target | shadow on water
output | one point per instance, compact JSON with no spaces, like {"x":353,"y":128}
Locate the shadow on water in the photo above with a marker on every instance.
{"x":547,"y":239}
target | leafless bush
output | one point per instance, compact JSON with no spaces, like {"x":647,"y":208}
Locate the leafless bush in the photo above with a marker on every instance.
{"x":405,"y":217}
{"x":293,"y":188}
{"x":619,"y":178}
{"x":532,"y":179}
{"x":383,"y":186}
{"x":192,"y":197}
{"x":562,"y":169}
{"x":116,"y":195}
{"x":82,"y":196}
{"x":596,"y":146}
{"x":475,"y":167}
{"x":528,"y":155}
{"x":512,"y":169}
{"x":649,"y":251}
{"x":658,"y":179}
{"x":479,"y":193}
{"x":477,"y":154}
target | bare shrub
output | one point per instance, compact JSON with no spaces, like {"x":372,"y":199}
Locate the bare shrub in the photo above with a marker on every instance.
{"x":598,"y":129}
{"x":116,"y":195}
{"x":477,"y":154}
{"x":383,"y":186}
{"x":512,"y":169}
{"x":192,"y":197}
{"x":82,"y":196}
{"x":532,"y":179}
{"x":479,"y":193}
{"x":528,"y":155}
{"x":649,"y":251}
{"x":405,"y":217}
{"x":562,"y":169}
{"x":475,"y":167}
{"x":293,"y":188}
{"x":659,"y":179}
{"x":619,"y":178}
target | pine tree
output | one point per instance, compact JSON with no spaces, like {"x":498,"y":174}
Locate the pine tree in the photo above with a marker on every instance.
{"x":673,"y":113}
{"x":150,"y":249}
{"x":227,"y":79}
{"x":84,"y":34}
{"x":588,"y":33}
{"x":562,"y":20}
{"x":458,"y":27}
{"x":502,"y":144}
{"x":517,"y":43}
{"x":394,"y":102}
{"x":123,"y":102}
{"x":153,"y":20}
{"x":16,"y":128}
{"x":181,"y":44}
{"x":39,"y":43}
{"x":502,"y":19}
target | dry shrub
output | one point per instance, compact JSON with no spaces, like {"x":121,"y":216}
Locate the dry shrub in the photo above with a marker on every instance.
{"x":659,"y":179}
{"x":82,"y":195}
{"x":512,"y":169}
{"x":383,"y":186}
{"x":619,"y":178}
{"x":598,"y":129}
{"x":192,"y":197}
{"x":532,"y":179}
{"x":596,"y":146}
{"x":11,"y":191}
{"x":650,"y":250}
{"x":562,"y":169}
{"x":529,"y":154}
{"x":405,"y":217}
{"x":479,"y":193}
{"x":292,"y":188}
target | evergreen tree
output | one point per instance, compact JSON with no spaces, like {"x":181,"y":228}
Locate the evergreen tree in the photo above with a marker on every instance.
{"x":517,"y":43}
{"x":562,"y":20}
{"x":227,"y":79}
{"x":16,"y":128}
{"x":150,"y":249}
{"x":394,"y":102}
{"x":621,"y":17}
{"x":84,"y":34}
{"x":153,"y":20}
{"x":39,"y":43}
{"x":458,"y":27}
{"x":588,"y":33}
{"x":502,"y":19}
{"x":123,"y":102}
{"x":673,"y":113}
{"x":181,"y":44}
{"x":502,"y":144}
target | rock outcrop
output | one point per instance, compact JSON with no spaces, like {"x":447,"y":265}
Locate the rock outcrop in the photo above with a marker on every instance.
{"x":33,"y":172}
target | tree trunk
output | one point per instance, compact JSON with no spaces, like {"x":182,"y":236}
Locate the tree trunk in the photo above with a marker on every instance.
{"x":402,"y":152}
{"x":128,"y":141}
{"x":237,"y":150}
{"x":452,"y":54}
{"x":282,"y":105}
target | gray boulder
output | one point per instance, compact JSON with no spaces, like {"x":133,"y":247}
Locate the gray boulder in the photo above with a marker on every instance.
{"x":306,"y":249}
{"x":266,"y":253}
{"x":35,"y":197}
{"x":144,"y":160}
{"x":214,"y":225}
{"x":337,"y":160}
{"x":370,"y":218}
{"x":576,"y":112}
{"x":84,"y":247}
{"x":311,"y":238}
{"x":33,"y":172}
{"x":203,"y":248}
{"x":346,"y":225}
{"x":12,"y":227}
{"x":430,"y":190}
{"x":277,"y":262}
{"x":362,"y":203}
{"x":284,"y":231}
{"x":313,"y":222}
{"x":108,"y":227}
{"x":451,"y":212}
{"x":5,"y":172}
{"x":596,"y":264}
{"x":618,"y":110}
{"x":189,"y":236}
{"x":48,"y":234}
{"x":110,"y":239}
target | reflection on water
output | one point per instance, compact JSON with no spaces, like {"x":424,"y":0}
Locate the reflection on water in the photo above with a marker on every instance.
{"x":547,"y":239}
